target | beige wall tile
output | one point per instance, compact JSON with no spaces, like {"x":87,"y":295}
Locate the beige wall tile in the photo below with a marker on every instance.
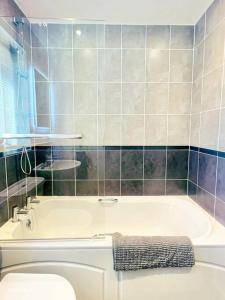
{"x":181,"y":66}
{"x":195,"y":130}
{"x":133,"y":97}
{"x":214,"y":49}
{"x":198,"y":61}
{"x":196,"y":96}
{"x":157,"y":98}
{"x":156,"y":130}
{"x":109,"y":100}
{"x":109,"y":130}
{"x":133,"y":65}
{"x":180,"y":98}
{"x":211,"y":92}
{"x":182,"y":37}
{"x":132,"y":130}
{"x":157,"y":65}
{"x":63,"y":124}
{"x":109,"y":68}
{"x":85,"y":64}
{"x":133,"y":36}
{"x":87,"y":126}
{"x":177,"y":125}
{"x":209,"y":129}
{"x":158,"y":37}
{"x":222,"y":131}
{"x":85,"y":98}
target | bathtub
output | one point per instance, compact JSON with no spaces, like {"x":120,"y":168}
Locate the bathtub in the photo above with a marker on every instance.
{"x":71,"y":237}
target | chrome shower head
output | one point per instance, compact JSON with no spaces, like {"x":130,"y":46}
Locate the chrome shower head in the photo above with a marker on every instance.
{"x":18,"y":21}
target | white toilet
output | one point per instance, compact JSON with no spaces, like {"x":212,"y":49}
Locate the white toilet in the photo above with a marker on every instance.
{"x":26,"y":286}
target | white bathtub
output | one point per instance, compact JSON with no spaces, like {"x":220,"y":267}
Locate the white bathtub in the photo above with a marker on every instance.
{"x":71,"y":237}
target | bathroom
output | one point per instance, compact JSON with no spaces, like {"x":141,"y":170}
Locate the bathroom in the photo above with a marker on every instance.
{"x":112,"y":120}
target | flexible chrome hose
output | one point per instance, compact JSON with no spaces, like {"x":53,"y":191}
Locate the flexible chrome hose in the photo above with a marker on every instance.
{"x":26,"y":155}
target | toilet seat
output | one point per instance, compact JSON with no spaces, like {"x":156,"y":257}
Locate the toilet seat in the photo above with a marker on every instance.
{"x":26,"y":286}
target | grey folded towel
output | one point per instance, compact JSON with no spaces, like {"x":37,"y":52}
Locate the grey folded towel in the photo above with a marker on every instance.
{"x":131,"y":253}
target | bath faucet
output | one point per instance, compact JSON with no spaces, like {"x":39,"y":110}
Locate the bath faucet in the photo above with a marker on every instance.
{"x":16,"y":211}
{"x":15,"y":214}
{"x":30,"y":200}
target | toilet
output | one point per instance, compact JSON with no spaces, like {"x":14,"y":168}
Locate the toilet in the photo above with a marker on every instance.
{"x":26,"y":286}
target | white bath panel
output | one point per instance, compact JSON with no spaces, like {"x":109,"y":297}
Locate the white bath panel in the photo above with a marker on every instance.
{"x":203,"y":281}
{"x":88,"y":282}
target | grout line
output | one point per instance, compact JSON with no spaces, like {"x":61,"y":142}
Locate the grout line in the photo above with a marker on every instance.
{"x":74,"y":124}
{"x":145,"y":90}
{"x":200,"y":113}
{"x":219,"y":125}
{"x":7,"y":186}
{"x":121,"y":102}
{"x":190,"y":120}
{"x":168,"y":104}
{"x":108,"y":48}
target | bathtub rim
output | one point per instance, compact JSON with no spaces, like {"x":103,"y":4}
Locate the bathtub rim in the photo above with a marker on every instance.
{"x":215,"y":236}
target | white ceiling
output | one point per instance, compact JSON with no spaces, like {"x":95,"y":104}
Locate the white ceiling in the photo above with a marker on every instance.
{"x":156,"y":12}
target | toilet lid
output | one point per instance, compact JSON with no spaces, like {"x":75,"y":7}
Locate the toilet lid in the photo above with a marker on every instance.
{"x":28,"y":286}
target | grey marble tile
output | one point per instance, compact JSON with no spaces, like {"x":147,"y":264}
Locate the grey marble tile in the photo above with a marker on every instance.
{"x":200,"y":30}
{"x":176,"y":187}
{"x":133,"y":65}
{"x":154,"y":164}
{"x":112,"y":164}
{"x":131,"y":187}
{"x":109,"y":62}
{"x":85,"y":36}
{"x":39,"y":35}
{"x":220,"y":211}
{"x":133,"y":36}
{"x":85,"y":64}
{"x":86,"y":188}
{"x":113,"y":36}
{"x":182,"y":37}
{"x":154,"y":187}
{"x":60,"y":64}
{"x":89,"y":166}
{"x":158,"y":37}
{"x":112,"y":188}
{"x":220,"y":190}
{"x":177,"y":164}
{"x":63,"y":188}
{"x":206,"y":201}
{"x":40,"y":62}
{"x":132,"y":164}
{"x":157,"y":65}
{"x":193,"y":166}
{"x":207,"y":172}
{"x":2,"y":174}
{"x":181,"y":66}
{"x":61,"y":98}
{"x":60,"y":35}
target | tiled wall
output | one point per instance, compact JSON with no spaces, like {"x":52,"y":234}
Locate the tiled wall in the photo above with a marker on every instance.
{"x":129,"y":91}
{"x":117,"y":85}
{"x":9,"y":166}
{"x":118,"y":170}
{"x":207,"y":157}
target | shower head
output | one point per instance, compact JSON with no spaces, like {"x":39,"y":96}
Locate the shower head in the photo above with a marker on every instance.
{"x":14,"y":49}
{"x":18,"y":21}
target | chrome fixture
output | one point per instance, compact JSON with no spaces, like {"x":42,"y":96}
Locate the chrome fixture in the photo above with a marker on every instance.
{"x":108,"y":200}
{"x":18,"y":21}
{"x":16,"y":211}
{"x":29,"y":224}
{"x":15,"y":214}
{"x":30,"y":200}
